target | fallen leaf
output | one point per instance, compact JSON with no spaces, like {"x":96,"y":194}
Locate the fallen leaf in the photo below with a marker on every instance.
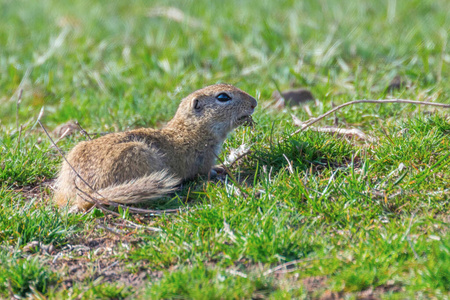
{"x":65,"y":129}
{"x":292,"y":97}
{"x":396,"y":83}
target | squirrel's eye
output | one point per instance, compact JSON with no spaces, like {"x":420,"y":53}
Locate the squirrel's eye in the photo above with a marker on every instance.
{"x":223,"y":97}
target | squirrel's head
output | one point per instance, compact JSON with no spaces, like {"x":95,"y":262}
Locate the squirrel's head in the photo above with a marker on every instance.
{"x":219,"y":108}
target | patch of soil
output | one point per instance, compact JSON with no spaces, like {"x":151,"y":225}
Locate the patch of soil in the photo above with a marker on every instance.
{"x":94,"y":260}
{"x":103,"y":270}
{"x":377,"y":292}
{"x":36,"y":190}
{"x":369,"y":294}
{"x":317,"y":288}
{"x":330,"y":295}
{"x":314,"y":283}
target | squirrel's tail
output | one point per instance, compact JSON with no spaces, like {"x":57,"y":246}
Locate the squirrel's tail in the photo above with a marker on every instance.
{"x":140,"y":190}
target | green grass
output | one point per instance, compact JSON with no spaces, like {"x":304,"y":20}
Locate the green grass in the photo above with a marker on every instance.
{"x":24,"y":161}
{"x":26,"y":221}
{"x":21,"y":276}
{"x":219,"y":285}
{"x":357,"y":215}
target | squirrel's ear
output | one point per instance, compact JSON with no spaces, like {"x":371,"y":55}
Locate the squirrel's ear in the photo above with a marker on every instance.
{"x":196,"y":105}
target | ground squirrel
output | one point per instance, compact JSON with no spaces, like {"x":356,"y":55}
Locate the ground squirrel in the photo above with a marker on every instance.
{"x":138,"y":165}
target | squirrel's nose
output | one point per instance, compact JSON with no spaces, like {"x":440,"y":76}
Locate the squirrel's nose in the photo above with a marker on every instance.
{"x":253,"y":103}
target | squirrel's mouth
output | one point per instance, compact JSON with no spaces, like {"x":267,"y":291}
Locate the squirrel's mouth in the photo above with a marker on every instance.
{"x":245,"y":120}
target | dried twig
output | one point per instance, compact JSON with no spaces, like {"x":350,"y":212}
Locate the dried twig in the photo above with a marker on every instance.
{"x":65,"y":159}
{"x":40,"y":115}
{"x":134,"y":227}
{"x":315,"y":120}
{"x":114,"y":231}
{"x":101,"y":207}
{"x":95,"y":202}
{"x":91,"y":199}
{"x":82,"y":130}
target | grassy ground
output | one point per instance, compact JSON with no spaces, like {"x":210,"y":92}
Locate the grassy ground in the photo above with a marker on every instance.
{"x":357,"y":219}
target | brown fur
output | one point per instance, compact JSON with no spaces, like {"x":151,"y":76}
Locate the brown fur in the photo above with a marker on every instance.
{"x":143,"y":164}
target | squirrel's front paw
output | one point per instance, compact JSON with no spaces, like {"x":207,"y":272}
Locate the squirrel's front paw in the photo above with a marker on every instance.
{"x":217,"y":170}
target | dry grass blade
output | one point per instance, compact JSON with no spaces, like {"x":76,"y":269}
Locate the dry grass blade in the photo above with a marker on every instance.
{"x":315,"y":120}
{"x":297,"y":121}
{"x":61,"y":137}
{"x":22,"y":83}
{"x":19,"y":99}
{"x":283,"y":268}
{"x":308,"y":110}
{"x":237,"y":273}
{"x":290,"y":168}
{"x":40,"y":60}
{"x":343,"y":131}
{"x":174,"y":14}
{"x":55,"y":44}
{"x":241,"y":156}
{"x":146,"y":211}
{"x":109,"y":267}
{"x":151,"y":229}
{"x":237,"y":154}
{"x":227,"y":170}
